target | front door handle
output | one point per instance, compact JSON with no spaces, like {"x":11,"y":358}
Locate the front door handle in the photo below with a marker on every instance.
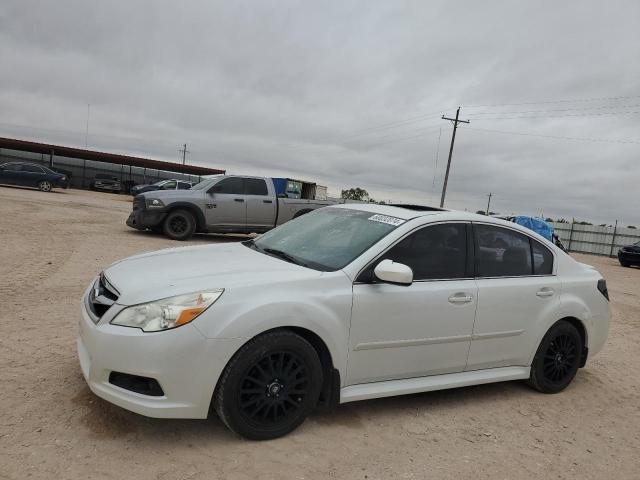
{"x":460,"y":298}
{"x":267,"y":201}
{"x":545,"y":292}
{"x":239,"y":199}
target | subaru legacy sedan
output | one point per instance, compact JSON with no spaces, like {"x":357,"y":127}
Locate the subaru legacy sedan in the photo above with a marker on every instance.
{"x":346,"y":303}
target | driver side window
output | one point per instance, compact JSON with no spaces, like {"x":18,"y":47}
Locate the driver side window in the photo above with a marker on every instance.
{"x":229,"y":186}
{"x":435,"y":252}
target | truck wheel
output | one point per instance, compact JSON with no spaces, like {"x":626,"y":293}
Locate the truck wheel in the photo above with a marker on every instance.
{"x":179,"y":225}
{"x":270,"y":386}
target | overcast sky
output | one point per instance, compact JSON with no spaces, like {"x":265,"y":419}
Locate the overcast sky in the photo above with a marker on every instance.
{"x":347,"y":93}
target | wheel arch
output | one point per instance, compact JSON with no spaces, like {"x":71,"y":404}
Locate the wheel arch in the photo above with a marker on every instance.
{"x":582,"y":330}
{"x":191,"y":208}
{"x":330,"y":391}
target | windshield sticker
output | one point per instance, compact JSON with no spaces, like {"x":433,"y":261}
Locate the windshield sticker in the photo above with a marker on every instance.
{"x":386,"y":219}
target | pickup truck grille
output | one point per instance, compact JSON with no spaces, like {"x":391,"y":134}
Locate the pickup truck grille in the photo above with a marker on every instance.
{"x":101,"y":297}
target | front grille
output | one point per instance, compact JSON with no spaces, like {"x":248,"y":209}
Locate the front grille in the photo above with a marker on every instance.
{"x":101,"y":297}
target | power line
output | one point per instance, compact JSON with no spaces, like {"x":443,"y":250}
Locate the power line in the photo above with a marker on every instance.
{"x":555,"y":137}
{"x":395,"y":124}
{"x":635,"y":112}
{"x":601,"y":107}
{"x":576,"y":100}
{"x":435,"y":169}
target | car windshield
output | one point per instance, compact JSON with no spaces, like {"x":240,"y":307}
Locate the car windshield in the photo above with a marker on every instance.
{"x":205,"y":184}
{"x":327,"y":239}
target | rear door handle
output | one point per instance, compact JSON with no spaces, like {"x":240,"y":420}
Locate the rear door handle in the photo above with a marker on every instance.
{"x":239,"y":199}
{"x":460,"y":298}
{"x":545,"y":292}
{"x":267,"y":201}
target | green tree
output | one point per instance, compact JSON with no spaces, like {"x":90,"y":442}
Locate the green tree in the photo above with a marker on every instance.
{"x":356,"y":193}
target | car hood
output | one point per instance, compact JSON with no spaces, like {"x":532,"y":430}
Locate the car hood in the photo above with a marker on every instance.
{"x":161,"y":194}
{"x":176,"y":271}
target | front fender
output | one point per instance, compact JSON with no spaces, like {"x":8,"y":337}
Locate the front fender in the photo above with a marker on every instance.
{"x":322,"y":306}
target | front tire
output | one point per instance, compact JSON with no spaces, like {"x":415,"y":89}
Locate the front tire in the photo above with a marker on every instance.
{"x":179,"y":225}
{"x":624,"y":264}
{"x":557,"y":359}
{"x":270,"y":386}
{"x":45,"y":186}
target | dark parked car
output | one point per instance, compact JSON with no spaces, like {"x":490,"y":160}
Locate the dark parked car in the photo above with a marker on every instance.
{"x":629,"y":255}
{"x":162,"y":185}
{"x":32,"y":175}
{"x":104,"y":181}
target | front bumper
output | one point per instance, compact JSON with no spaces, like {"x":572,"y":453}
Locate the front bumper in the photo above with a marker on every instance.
{"x":185,"y":364}
{"x":108,"y":186}
{"x":143,"y":219}
{"x":632,"y":258}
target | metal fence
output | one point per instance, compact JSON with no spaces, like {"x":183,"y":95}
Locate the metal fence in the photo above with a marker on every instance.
{"x":597,"y":240}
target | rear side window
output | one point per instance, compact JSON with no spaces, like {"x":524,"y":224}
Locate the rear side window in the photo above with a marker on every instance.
{"x":229,"y":186}
{"x":542,"y":259}
{"x":501,"y":252}
{"x":434,"y":252}
{"x":32,"y":169}
{"x":255,"y":186}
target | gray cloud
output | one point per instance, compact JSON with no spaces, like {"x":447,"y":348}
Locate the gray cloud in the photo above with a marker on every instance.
{"x":346,"y":93}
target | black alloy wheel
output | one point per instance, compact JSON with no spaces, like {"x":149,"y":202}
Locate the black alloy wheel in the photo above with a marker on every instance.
{"x":179,"y":225}
{"x":557,"y":359}
{"x":273,"y":388}
{"x":270,"y":386}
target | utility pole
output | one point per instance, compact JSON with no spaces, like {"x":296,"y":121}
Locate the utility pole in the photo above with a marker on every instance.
{"x":184,"y":153}
{"x":489,"y":202}
{"x":86,"y":132}
{"x":453,"y":139}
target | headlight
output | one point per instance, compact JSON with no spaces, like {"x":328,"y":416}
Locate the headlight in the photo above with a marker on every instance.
{"x":154,"y":203}
{"x":167,"y":313}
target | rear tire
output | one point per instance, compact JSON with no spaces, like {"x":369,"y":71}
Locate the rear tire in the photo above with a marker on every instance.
{"x":557,"y":359}
{"x":179,"y":225}
{"x":269,"y":386}
{"x":45,"y":186}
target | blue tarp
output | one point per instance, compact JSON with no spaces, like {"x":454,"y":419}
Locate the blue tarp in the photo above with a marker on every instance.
{"x":538,"y":225}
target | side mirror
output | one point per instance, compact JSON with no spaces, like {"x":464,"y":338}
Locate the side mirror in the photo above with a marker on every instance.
{"x":392,"y":272}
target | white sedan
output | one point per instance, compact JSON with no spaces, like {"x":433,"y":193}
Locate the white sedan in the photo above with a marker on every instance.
{"x":345,"y":303}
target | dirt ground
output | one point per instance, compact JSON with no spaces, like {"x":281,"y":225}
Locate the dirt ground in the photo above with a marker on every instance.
{"x":52,"y":426}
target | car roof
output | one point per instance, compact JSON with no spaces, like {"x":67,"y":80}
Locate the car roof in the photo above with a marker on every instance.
{"x":406,"y":212}
{"x":410,"y":212}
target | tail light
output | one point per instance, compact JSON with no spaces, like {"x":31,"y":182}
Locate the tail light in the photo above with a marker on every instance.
{"x":602,"y":287}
